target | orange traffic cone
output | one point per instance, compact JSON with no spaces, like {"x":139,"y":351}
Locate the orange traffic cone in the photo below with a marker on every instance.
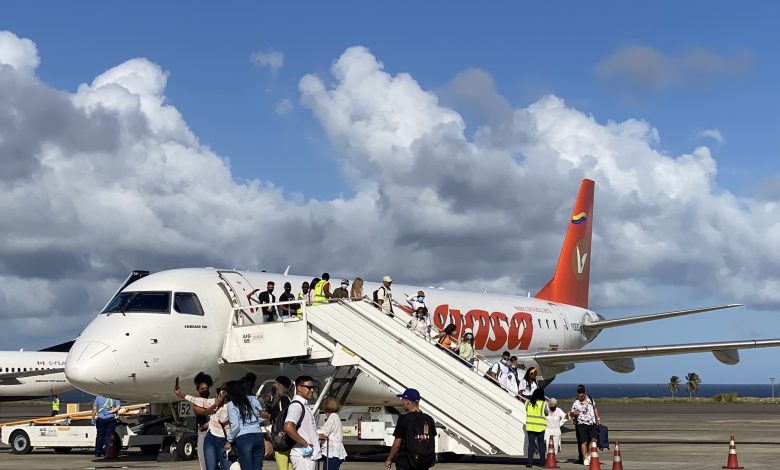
{"x":551,"y":462}
{"x":732,"y":460}
{"x":595,"y":464}
{"x":617,"y":461}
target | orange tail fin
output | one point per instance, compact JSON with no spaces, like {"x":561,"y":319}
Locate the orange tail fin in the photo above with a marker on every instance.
{"x":569,"y":285}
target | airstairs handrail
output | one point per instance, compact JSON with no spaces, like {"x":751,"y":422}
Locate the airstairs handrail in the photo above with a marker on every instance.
{"x":436,"y":360}
{"x":480,"y":358}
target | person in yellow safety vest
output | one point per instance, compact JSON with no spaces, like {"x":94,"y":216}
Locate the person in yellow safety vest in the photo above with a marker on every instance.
{"x":303,"y":295}
{"x":55,"y":404}
{"x":322,"y":290}
{"x":535,"y":424}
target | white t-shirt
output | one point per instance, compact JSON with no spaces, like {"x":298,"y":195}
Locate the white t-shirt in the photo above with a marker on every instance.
{"x":219,"y":421}
{"x":502,"y":372}
{"x":524,"y":389}
{"x":334,"y":446}
{"x":308,"y":428}
{"x":386,"y":297}
{"x":555,"y":420}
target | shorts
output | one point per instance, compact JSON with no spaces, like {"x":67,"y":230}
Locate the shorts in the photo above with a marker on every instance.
{"x":587,"y":432}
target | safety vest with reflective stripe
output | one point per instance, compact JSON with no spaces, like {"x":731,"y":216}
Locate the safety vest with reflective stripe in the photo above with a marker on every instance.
{"x":55,"y":404}
{"x":319,"y":293}
{"x":535,"y":420}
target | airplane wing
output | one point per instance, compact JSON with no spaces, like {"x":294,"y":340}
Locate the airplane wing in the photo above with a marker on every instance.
{"x":30,"y":373}
{"x":602,"y":324}
{"x":621,"y":359}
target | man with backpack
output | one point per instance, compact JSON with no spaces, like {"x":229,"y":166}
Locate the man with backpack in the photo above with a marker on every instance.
{"x":383,"y":297}
{"x":301,"y":428}
{"x":415,"y":436}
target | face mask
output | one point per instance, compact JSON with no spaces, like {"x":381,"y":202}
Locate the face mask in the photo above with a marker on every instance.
{"x":204,"y":393}
{"x":421,"y":299}
{"x":345,"y":286}
{"x":504,"y":361}
{"x":468,"y":336}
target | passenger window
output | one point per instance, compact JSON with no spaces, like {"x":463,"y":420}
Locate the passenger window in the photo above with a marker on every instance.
{"x":548,"y":323}
{"x":187,"y":303}
{"x":555,"y":324}
{"x":539,"y":321}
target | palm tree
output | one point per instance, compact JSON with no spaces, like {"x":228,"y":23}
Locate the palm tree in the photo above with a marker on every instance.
{"x":673,"y":384}
{"x":692,"y":381}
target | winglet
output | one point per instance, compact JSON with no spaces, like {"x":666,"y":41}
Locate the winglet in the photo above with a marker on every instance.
{"x":569,"y":285}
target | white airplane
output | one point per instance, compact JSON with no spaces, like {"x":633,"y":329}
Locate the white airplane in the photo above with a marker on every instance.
{"x":172,"y":324}
{"x":33,"y":374}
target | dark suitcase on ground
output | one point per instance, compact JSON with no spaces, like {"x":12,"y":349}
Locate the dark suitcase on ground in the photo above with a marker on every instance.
{"x":603,"y":437}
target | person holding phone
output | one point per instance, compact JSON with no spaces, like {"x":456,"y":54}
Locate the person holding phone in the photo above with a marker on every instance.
{"x":217,"y":425}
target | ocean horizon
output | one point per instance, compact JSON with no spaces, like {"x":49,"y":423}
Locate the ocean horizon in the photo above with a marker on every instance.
{"x":621,"y":390}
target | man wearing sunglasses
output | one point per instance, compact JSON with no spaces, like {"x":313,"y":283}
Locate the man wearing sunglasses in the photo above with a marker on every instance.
{"x":307,"y":448}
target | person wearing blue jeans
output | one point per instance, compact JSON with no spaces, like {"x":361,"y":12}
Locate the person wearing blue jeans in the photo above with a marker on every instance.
{"x":245,"y":433}
{"x":214,"y":452}
{"x":104,"y":418}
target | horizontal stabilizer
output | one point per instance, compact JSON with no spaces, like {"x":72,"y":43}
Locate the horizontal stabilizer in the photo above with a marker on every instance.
{"x":725,"y":352}
{"x":602,"y":324}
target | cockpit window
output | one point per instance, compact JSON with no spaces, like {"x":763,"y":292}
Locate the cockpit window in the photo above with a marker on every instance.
{"x":187,"y":303}
{"x":148,"y":302}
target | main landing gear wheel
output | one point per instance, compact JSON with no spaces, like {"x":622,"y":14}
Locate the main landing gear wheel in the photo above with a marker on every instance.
{"x":186,"y":447}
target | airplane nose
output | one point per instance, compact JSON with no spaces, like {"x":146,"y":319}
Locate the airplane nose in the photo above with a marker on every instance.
{"x":89,"y":364}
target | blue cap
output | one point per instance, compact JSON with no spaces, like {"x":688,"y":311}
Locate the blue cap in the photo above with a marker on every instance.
{"x":410,"y":394}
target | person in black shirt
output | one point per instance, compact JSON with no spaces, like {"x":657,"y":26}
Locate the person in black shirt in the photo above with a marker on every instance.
{"x":278,"y":403}
{"x":405,"y":431}
{"x":268,"y":297}
{"x":291,"y":309}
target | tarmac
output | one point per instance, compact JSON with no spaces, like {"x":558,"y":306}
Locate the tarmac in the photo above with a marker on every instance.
{"x":651,"y":436}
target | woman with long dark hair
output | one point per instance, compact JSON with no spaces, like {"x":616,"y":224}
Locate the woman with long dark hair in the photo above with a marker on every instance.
{"x":245,"y":433}
{"x":446,"y":338}
{"x":528,"y":385}
{"x":535,"y":425}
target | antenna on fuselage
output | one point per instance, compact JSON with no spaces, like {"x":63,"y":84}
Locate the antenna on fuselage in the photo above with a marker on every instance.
{"x":287,"y":271}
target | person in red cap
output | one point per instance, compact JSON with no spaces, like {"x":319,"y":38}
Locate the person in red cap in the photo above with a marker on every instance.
{"x":415,"y":436}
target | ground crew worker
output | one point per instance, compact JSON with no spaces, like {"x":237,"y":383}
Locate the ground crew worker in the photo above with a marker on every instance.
{"x":104,"y":419}
{"x":55,"y":404}
{"x":304,"y":295}
{"x":322,"y":290}
{"x":535,"y":425}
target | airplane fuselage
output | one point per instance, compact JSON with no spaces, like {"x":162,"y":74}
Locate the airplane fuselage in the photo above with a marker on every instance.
{"x":137,"y":355}
{"x":31,"y":386}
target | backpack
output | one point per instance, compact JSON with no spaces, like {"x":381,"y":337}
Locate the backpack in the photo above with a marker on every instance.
{"x":420,"y":443}
{"x":376,"y":297}
{"x":280,"y":441}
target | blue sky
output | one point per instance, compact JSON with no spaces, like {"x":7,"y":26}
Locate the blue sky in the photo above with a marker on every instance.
{"x":726,"y":86}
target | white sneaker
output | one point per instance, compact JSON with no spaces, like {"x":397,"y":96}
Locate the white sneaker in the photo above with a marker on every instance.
{"x":586,"y":461}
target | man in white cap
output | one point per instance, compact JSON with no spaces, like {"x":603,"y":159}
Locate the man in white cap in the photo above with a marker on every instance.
{"x":415,"y":436}
{"x":384,"y":298}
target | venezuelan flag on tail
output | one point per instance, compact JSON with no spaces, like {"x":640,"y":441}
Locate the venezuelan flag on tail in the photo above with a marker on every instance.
{"x":570,"y":283}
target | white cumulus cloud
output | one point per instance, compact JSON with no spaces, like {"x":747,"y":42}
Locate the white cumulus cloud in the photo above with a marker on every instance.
{"x":270,"y":58}
{"x":713,"y":134}
{"x":283,"y":107}
{"x":110,"y":178}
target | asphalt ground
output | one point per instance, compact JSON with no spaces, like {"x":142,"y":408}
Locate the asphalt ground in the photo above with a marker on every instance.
{"x":652,"y":436}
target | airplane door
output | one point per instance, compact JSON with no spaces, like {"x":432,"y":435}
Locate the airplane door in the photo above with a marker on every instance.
{"x":562,"y":333}
{"x":239,"y":290}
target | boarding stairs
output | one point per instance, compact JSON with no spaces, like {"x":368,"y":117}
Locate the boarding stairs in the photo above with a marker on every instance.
{"x":472,"y":409}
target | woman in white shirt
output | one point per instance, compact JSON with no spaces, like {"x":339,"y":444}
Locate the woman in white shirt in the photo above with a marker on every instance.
{"x":527,"y":386}
{"x":331,"y":435}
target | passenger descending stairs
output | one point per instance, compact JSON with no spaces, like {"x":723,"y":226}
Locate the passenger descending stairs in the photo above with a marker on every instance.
{"x":469,"y":406}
